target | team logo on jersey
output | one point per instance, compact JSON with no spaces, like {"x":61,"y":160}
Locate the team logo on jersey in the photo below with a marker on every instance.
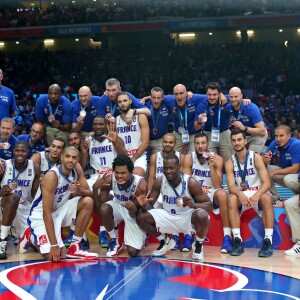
{"x":43,"y":240}
{"x":45,"y":111}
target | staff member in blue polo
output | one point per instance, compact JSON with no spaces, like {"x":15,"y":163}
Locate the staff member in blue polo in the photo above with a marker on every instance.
{"x":216,"y":120}
{"x":55,"y":111}
{"x":8,"y":105}
{"x":109,"y":105}
{"x":84,"y":111}
{"x":7,"y":139}
{"x":248,"y":119}
{"x":283,"y":160}
{"x":159,"y":119}
{"x":184,"y":110}
{"x":34,"y":139}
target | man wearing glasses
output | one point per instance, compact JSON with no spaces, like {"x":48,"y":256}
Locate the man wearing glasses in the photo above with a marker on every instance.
{"x":34,"y":139}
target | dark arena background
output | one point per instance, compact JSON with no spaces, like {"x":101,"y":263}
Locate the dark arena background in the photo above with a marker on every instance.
{"x":253,"y":44}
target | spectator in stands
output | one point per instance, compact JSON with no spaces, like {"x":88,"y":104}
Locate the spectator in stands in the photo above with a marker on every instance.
{"x":8,"y":105}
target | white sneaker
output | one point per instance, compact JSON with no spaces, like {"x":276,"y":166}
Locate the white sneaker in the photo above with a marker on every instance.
{"x":294,"y":251}
{"x":74,"y":251}
{"x":165,"y":245}
{"x":113,"y":248}
{"x":198,"y":252}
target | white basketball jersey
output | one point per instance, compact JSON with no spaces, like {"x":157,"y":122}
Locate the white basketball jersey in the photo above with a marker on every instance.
{"x":24,"y":180}
{"x":45,"y":163}
{"x":201,"y":172}
{"x":159,"y":162}
{"x":61,"y":193}
{"x":127,"y":194}
{"x":252,"y":177}
{"x":130,"y":134}
{"x":102,"y":155}
{"x":169,"y":196}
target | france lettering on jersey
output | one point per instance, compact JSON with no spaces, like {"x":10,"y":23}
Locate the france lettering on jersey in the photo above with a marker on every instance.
{"x":201,"y":172}
{"x":45,"y":163}
{"x":102,"y":155}
{"x":130,"y":134}
{"x":24,"y":180}
{"x":128,"y":194}
{"x":252,"y":177}
{"x":169,"y":196}
{"x":61,"y":193}
{"x":159,"y":162}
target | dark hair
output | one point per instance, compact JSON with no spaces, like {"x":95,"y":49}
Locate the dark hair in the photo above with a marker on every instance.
{"x":60,"y":140}
{"x":213,"y":86}
{"x":123,"y":160}
{"x":236,"y":131}
{"x":201,"y":134}
{"x":172,"y":156}
{"x":122,"y":94}
{"x":24,"y":143}
{"x":157,"y":89}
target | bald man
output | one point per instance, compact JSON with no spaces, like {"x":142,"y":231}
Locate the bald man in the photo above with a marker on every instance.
{"x":55,"y":111}
{"x":248,"y":119}
{"x":84,"y":111}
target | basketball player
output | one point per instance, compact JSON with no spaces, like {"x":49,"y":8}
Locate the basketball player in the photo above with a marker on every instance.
{"x":124,"y":206}
{"x":155,"y":170}
{"x":52,"y":209}
{"x":207,"y":168}
{"x":248,"y":184}
{"x":100,"y":151}
{"x":135,"y":135}
{"x":19,"y":184}
{"x":185,"y":207}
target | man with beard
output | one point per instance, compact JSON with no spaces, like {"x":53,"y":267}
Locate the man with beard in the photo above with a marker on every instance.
{"x":185,"y":207}
{"x":135,"y":135}
{"x":52,"y":209}
{"x":34,"y":139}
{"x":248,"y":119}
{"x":127,"y":188}
{"x":100,"y":150}
{"x":55,"y":111}
{"x":19,"y":184}
{"x":207,"y":168}
{"x":248,"y":184}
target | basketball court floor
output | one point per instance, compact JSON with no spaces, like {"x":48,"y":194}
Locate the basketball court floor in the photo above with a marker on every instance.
{"x":174,"y":276}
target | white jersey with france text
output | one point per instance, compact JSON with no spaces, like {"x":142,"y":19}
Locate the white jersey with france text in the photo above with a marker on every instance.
{"x":130,"y":134}
{"x":169,"y":196}
{"x":45,"y":162}
{"x":24,"y":179}
{"x":61,"y":194}
{"x":252,"y":180}
{"x":122,"y":196}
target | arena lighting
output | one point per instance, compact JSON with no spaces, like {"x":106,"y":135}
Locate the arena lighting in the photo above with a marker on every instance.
{"x":2,"y":44}
{"x":76,"y":40}
{"x":280,"y":30}
{"x":48,"y":41}
{"x":95,"y":42}
{"x":17,"y":42}
{"x":250,"y":32}
{"x":187,"y":34}
{"x":238,"y":32}
{"x":286,"y":43}
{"x":298,"y":30}
{"x":210,"y":33}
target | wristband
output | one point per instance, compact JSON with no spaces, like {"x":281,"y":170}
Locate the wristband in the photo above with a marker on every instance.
{"x":246,"y":129}
{"x":54,"y":245}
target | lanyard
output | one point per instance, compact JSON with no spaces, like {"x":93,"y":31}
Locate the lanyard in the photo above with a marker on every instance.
{"x":50,"y":108}
{"x":183,"y":187}
{"x":243,"y":173}
{"x":64,"y":176}
{"x":15,"y":178}
{"x":181,"y":119}
{"x":219,"y":116}
{"x":155,"y":122}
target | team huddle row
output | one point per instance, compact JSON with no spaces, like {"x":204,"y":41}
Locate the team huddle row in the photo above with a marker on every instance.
{"x":114,"y":157}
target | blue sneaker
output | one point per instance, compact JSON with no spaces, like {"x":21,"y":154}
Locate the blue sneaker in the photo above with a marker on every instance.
{"x":176,"y":238}
{"x":84,"y":244}
{"x":266,"y":250}
{"x":103,"y":240}
{"x":187,"y":243}
{"x":113,"y":248}
{"x":238,"y":247}
{"x":69,"y":239}
{"x":226,"y":245}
